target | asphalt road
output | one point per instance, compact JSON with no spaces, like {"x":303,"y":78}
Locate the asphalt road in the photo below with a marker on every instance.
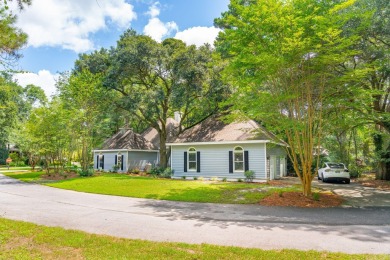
{"x":351,"y":230}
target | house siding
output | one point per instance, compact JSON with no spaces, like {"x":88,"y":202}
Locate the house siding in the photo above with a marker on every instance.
{"x":139,"y":159}
{"x":215,"y":161}
{"x":109,"y":160}
{"x":130,"y":159}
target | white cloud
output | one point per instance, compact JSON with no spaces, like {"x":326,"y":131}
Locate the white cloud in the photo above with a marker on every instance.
{"x":155,"y":27}
{"x":198,"y":35}
{"x":43,"y":79}
{"x":69,"y":23}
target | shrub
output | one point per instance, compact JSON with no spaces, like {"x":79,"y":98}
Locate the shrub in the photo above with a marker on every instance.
{"x":115,"y":168}
{"x":195,"y":178}
{"x":156,"y":171}
{"x":355,"y":171}
{"x":249,"y":176}
{"x":280,"y":194}
{"x":167,"y":173}
{"x":183,"y":177}
{"x":316,"y":196}
{"x":239,"y":180}
{"x":224,"y":179}
{"x":135,"y":171}
{"x":86,"y":173}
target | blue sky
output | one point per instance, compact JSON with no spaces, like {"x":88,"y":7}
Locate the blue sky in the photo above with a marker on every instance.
{"x":59,"y":30}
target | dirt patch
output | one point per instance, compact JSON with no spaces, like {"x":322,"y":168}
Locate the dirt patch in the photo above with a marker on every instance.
{"x":296,"y":199}
{"x":378,"y":184}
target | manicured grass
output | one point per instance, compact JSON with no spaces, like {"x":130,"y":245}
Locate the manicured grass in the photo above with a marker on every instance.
{"x":166,"y":189}
{"x":21,"y":240}
{"x":24,"y":176}
{"x":163,"y":189}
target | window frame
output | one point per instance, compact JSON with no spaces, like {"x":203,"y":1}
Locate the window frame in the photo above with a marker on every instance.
{"x":190,"y":151}
{"x":238,"y":150}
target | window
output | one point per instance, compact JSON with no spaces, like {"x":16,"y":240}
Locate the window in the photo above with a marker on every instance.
{"x":192,"y":159}
{"x":238,"y":159}
{"x":101,"y":161}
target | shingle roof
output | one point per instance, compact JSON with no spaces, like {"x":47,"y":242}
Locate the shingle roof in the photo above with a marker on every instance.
{"x":127,"y":139}
{"x":152,"y":135}
{"x":215,"y":130}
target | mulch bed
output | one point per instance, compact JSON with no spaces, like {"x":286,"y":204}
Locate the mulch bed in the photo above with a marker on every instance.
{"x":379,"y":184}
{"x":296,"y":199}
{"x":57,"y":176}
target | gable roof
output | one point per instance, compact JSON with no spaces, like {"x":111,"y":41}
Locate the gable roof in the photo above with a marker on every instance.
{"x":128,"y":139}
{"x":152,"y":135}
{"x":215,"y":130}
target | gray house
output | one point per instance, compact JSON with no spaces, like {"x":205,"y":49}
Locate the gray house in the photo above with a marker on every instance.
{"x":214,"y":149}
{"x":127,"y":150}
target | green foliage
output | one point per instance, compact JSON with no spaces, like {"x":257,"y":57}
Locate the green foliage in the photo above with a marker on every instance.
{"x":239,"y":180}
{"x":115,"y":168}
{"x":249,"y":176}
{"x":156,"y":79}
{"x":12,"y":39}
{"x":84,"y":173}
{"x":282,"y":59}
{"x":224,"y":179}
{"x":316,"y":196}
{"x":156,"y":171}
{"x":167,"y":173}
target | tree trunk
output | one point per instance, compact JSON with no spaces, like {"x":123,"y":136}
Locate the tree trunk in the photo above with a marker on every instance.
{"x":163,"y":149}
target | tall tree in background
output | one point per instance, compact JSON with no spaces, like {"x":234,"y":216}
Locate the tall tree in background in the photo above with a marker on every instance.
{"x":373,"y":64}
{"x":83,"y":94}
{"x":12,"y":39}
{"x":282,"y":57}
{"x":157,"y":78}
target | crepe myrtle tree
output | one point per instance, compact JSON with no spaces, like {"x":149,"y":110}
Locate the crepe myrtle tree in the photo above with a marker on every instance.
{"x":282,"y":56}
{"x":156,"y":79}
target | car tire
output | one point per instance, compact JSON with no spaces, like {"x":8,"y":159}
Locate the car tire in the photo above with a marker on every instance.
{"x":318,"y":177}
{"x":324,"y":179}
{"x":348,"y":181}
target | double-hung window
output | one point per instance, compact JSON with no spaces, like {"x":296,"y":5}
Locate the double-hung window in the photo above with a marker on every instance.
{"x":238,"y":159}
{"x":192,"y":162}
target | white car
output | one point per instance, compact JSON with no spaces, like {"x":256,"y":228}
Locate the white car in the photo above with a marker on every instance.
{"x":334,"y":172}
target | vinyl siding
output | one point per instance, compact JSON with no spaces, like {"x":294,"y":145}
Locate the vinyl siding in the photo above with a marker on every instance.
{"x":128,"y":159}
{"x":109,"y":160}
{"x":215,"y":161}
{"x":138,"y":159}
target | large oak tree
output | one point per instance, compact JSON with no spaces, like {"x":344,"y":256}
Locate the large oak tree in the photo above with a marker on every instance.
{"x":157,"y":79}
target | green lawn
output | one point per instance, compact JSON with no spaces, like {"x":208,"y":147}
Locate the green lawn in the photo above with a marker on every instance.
{"x":21,"y":240}
{"x":163,"y":189}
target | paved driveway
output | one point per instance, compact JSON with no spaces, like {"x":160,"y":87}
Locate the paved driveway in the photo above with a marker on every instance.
{"x":356,"y":195}
{"x":352,"y":230}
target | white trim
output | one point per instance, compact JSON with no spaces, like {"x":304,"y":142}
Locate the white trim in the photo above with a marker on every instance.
{"x":125,"y":150}
{"x":221,"y":142}
{"x":242,"y":151}
{"x":188,"y":159}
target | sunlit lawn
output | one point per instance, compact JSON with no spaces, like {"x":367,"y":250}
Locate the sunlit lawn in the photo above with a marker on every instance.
{"x":163,"y":189}
{"x":21,"y":240}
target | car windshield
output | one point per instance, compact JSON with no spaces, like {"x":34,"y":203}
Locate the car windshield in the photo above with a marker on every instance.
{"x":336,"y":165}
